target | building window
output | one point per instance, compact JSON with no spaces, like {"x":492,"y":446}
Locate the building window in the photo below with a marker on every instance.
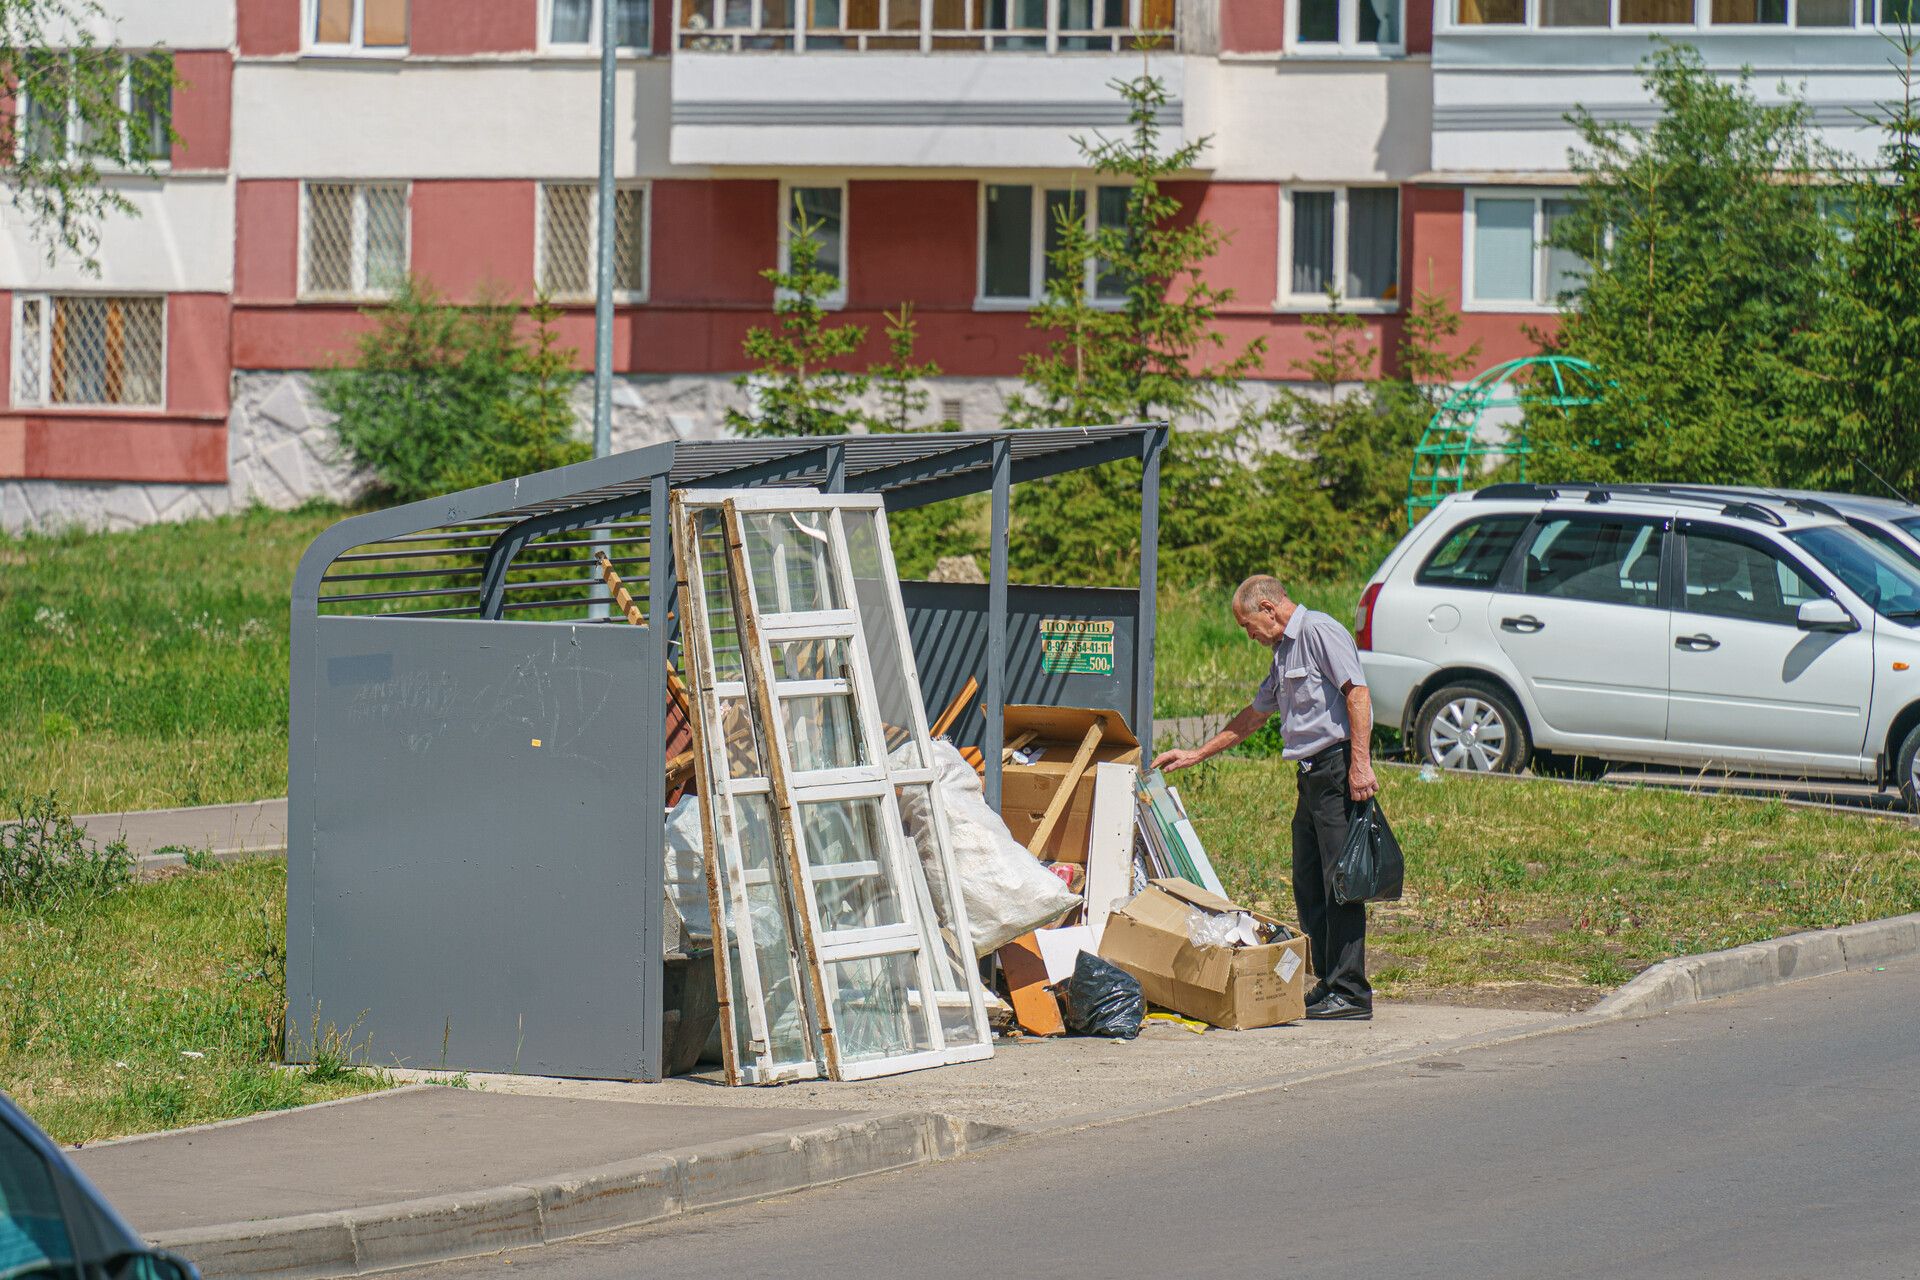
{"x":575,"y":24}
{"x":1020,"y":232}
{"x":569,"y":243}
{"x":369,"y":26}
{"x":57,"y":123}
{"x":822,"y":210}
{"x":928,"y":26}
{"x":85,"y":349}
{"x":1510,"y":265}
{"x":354,"y":239}
{"x":1602,"y":14}
{"x":1344,"y":241}
{"x":1345,"y":26}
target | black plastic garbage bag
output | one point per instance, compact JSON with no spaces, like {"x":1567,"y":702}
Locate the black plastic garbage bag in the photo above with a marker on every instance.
{"x":1370,"y":868}
{"x":1104,"y":1000}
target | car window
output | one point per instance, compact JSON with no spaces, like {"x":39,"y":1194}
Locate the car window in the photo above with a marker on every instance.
{"x":1888,"y":539}
{"x":1607,"y":561}
{"x":1876,"y":575}
{"x":33,"y":1232}
{"x":1472,"y":555}
{"x":1731,"y":578}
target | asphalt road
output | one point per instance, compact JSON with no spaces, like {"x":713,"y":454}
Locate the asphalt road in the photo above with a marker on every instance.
{"x":1772,"y":1135}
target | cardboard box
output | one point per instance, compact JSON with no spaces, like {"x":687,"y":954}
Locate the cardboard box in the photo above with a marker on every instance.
{"x":1027,"y":789}
{"x":1233,"y":987}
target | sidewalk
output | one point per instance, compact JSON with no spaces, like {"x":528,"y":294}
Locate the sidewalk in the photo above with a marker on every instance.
{"x":228,"y":830}
{"x":428,"y":1172}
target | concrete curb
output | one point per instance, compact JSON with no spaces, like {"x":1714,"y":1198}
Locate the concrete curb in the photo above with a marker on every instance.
{"x":631,"y":1193}
{"x":1686,"y":980}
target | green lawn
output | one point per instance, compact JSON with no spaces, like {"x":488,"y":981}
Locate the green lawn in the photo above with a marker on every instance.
{"x":157,"y":1007}
{"x":149,"y":669}
{"x":1515,"y":881}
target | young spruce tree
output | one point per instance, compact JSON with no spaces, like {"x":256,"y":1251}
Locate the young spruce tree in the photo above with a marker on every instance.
{"x":1872,"y":341}
{"x":1132,"y":338}
{"x":1707,"y":258}
{"x":796,"y":389}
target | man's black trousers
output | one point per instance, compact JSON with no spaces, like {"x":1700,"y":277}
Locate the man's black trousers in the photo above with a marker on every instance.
{"x":1336,"y":934}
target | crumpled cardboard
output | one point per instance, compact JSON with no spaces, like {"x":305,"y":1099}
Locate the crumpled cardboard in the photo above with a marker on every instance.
{"x":1233,"y":987}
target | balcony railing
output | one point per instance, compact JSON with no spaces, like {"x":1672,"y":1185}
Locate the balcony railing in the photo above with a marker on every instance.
{"x":926,"y":26}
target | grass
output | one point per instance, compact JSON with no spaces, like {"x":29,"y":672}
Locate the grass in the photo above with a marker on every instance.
{"x":149,"y":669}
{"x":1531,"y":882}
{"x":156,"y":1007}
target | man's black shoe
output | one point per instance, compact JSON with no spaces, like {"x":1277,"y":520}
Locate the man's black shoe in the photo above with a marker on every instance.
{"x":1316,"y":993}
{"x":1336,"y":1005}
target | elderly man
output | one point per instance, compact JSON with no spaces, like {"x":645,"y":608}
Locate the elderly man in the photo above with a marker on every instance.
{"x":1327,"y":723}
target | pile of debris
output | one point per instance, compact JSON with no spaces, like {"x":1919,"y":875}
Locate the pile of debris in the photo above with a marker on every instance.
{"x":862,"y":901}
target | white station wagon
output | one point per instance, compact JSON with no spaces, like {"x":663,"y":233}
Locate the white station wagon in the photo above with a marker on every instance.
{"x":1556,"y":624}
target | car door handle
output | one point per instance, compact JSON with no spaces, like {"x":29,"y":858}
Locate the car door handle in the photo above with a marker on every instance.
{"x":1526,"y":623}
{"x":1698,"y":644}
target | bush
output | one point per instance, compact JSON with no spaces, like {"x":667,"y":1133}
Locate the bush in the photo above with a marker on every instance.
{"x":444,"y":397}
{"x":47,"y":862}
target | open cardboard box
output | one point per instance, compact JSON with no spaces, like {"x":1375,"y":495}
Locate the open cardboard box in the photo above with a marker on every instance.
{"x":1027,"y":789}
{"x":1233,"y":987}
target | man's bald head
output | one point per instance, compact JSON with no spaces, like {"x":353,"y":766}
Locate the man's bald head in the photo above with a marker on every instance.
{"x":1248,"y":596}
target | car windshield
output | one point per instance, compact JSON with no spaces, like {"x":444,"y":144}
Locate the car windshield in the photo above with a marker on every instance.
{"x":1872,"y":572}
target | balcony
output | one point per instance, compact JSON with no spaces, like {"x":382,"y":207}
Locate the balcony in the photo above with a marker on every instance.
{"x":925,"y":26}
{"x":926,"y":84}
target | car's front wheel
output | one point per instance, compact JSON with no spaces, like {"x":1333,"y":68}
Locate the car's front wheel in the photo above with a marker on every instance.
{"x":1472,"y":727}
{"x":1907,"y":770}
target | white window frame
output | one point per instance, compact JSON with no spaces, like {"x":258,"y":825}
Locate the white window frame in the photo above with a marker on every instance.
{"x":838,"y":298}
{"x":1286,"y":299}
{"x":70,"y":134}
{"x":645,"y":248}
{"x":1349,"y":45}
{"x":358,"y":291}
{"x":45,"y":400}
{"x":1447,"y":17}
{"x":355,"y":47}
{"x":1470,"y":225}
{"x":591,"y":45}
{"x":1036,"y":244}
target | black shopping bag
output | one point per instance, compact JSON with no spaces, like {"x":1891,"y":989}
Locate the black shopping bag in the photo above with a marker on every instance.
{"x":1370,"y":868}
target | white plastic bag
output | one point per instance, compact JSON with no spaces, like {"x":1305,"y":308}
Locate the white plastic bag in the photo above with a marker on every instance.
{"x":687,"y":868}
{"x":1008,"y":892}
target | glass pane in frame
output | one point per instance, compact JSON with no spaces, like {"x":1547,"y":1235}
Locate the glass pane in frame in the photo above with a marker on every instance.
{"x":844,"y":845}
{"x":878,"y":1012}
{"x":895,"y":691}
{"x":951,"y":948}
{"x":823,"y":732}
{"x":790,"y":560}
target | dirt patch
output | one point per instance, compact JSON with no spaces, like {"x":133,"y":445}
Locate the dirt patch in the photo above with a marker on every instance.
{"x":1539,"y":997}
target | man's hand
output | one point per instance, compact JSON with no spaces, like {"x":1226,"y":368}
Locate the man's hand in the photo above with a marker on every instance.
{"x":1177,"y":759}
{"x":1361,"y":784}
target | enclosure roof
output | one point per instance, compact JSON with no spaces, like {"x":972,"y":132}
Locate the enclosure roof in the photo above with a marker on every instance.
{"x":892,"y":463}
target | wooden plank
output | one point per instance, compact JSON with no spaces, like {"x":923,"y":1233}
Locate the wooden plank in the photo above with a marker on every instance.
{"x":1006,"y":752}
{"x":1109,"y":842}
{"x":1034,"y":1007}
{"x":1061,"y":798}
{"x":945,"y":721}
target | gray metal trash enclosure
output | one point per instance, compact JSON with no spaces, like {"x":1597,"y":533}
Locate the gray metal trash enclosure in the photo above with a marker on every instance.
{"x":476,"y":852}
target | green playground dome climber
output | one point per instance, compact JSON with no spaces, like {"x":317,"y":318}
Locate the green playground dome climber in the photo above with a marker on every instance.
{"x":1461,"y":436}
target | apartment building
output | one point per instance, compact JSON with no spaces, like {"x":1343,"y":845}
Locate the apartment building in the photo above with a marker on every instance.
{"x":328,"y":147}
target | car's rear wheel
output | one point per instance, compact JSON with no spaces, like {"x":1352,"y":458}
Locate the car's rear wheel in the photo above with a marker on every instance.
{"x":1472,"y":727}
{"x":1907,"y":770}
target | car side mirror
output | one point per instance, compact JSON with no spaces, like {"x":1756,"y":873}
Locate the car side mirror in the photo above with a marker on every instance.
{"x":1825,"y":615}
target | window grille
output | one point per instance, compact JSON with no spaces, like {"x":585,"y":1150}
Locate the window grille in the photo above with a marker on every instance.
{"x":355,"y":239}
{"x":85,"y":349}
{"x":378,"y":25}
{"x":569,"y":241}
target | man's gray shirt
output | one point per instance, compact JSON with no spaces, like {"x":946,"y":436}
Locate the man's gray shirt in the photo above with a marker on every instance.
{"x":1312,"y":660}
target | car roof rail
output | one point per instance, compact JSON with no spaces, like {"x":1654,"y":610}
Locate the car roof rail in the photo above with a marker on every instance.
{"x":1734,"y":508}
